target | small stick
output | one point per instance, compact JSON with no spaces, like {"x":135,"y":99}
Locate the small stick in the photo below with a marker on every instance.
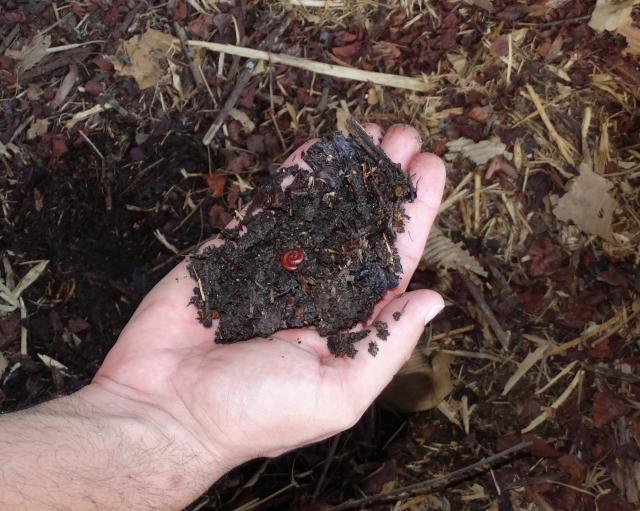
{"x":429,"y":486}
{"x":478,"y":296}
{"x":363,"y":138}
{"x":420,"y":84}
{"x":195,"y":71}
{"x":325,"y":467}
{"x":241,"y":83}
{"x":9,"y":38}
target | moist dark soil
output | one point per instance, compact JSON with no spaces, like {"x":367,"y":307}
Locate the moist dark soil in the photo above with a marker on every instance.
{"x":316,"y":252}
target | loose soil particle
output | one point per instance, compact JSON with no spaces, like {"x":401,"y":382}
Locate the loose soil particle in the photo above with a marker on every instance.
{"x":318,"y":252}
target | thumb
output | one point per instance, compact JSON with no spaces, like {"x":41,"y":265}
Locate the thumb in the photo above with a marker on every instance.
{"x":366,"y":376}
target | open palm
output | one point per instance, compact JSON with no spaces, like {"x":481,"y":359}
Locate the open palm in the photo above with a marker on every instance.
{"x":266,"y":396}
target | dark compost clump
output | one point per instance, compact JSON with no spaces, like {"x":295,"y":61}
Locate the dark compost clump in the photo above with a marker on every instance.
{"x":318,"y":251}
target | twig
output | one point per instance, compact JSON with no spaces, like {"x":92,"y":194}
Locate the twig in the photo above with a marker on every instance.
{"x":117,"y":34}
{"x":341,"y":72}
{"x":6,"y":42}
{"x":361,"y":136}
{"x":56,"y":61}
{"x":325,"y":467}
{"x":195,"y":71}
{"x":564,"y":147}
{"x":478,"y":296}
{"x":241,"y":83}
{"x":555,"y":23}
{"x":429,"y":486}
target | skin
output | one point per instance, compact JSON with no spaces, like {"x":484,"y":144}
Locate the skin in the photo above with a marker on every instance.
{"x":169,"y":412}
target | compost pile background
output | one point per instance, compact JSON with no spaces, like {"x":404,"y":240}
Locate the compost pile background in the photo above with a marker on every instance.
{"x":339,"y":219}
{"x":105,"y":184}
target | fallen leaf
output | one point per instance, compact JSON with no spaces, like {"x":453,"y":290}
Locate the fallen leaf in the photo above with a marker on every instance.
{"x":77,"y":325}
{"x":93,"y":87}
{"x":499,"y":164}
{"x":31,"y":53}
{"x":441,"y":252}
{"x":616,"y":17}
{"x":573,"y":467}
{"x":588,"y":204}
{"x":545,"y":256}
{"x":632,"y":34}
{"x":4,"y":363}
{"x":38,"y":128}
{"x":348,"y":51}
{"x":219,"y":217}
{"x":612,"y":502}
{"x":607,"y":408}
{"x":58,"y":145}
{"x":201,"y":26}
{"x":381,"y":478}
{"x":479,"y":113}
{"x":18,"y":16}
{"x":419,"y":386}
{"x":9,"y":330}
{"x":540,"y":448}
{"x":247,"y":124}
{"x":145,"y":58}
{"x":478,"y":152}
{"x":499,"y":47}
{"x":216,"y":182}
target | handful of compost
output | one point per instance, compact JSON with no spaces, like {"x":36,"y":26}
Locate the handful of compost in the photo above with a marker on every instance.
{"x":317,"y":252}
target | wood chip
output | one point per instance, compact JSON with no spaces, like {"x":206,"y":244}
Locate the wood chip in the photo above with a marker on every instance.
{"x":529,"y":361}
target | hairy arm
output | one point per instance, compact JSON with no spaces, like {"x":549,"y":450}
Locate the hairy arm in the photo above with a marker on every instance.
{"x":92,"y":450}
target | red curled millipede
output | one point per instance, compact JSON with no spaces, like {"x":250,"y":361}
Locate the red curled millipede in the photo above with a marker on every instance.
{"x":291,"y":259}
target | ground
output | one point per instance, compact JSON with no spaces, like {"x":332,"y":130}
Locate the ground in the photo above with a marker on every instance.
{"x":105,"y":183}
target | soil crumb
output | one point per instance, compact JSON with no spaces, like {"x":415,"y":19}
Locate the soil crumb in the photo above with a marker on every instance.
{"x":316,"y":249}
{"x":382,"y":329}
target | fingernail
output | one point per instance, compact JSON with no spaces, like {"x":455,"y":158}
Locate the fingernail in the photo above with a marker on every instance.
{"x":433,"y":313}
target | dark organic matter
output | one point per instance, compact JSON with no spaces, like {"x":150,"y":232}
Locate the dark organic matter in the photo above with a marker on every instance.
{"x":318,"y":252}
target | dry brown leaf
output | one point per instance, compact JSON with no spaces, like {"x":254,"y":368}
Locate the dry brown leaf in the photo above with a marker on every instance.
{"x":38,"y":127}
{"x":31,"y":53}
{"x":145,"y":58}
{"x":441,"y":252}
{"x":4,"y":363}
{"x":478,"y":152}
{"x":247,"y":124}
{"x":419,"y":386}
{"x":632,"y":35}
{"x":616,"y":17}
{"x":588,"y":204}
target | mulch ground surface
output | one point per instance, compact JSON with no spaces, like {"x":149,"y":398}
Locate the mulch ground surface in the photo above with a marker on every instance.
{"x":105,"y":184}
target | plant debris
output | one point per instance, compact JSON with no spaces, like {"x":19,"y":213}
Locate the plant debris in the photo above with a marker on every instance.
{"x":106,"y":180}
{"x":318,"y":251}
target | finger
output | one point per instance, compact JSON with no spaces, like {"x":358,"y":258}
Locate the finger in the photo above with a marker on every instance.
{"x":428,"y":175}
{"x":295,"y":158}
{"x":374,"y":131}
{"x":401,"y":143}
{"x":366,"y":376}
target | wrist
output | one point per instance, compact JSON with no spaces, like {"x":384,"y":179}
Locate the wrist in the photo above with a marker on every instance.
{"x":157,"y":431}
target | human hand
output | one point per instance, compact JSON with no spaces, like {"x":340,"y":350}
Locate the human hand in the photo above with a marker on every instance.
{"x":266,"y":396}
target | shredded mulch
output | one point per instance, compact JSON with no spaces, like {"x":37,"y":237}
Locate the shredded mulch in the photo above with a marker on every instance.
{"x":105,"y":184}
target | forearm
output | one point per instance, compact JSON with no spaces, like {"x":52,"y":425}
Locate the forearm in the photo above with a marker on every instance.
{"x":96,"y":451}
